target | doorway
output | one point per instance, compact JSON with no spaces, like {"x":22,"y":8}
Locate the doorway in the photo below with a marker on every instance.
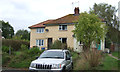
{"x":49,"y":42}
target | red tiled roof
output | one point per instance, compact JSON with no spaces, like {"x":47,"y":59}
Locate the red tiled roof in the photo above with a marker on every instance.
{"x":40,"y":24}
{"x":66,"y":19}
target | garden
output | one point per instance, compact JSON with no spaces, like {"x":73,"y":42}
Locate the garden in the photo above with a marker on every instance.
{"x":92,"y":60}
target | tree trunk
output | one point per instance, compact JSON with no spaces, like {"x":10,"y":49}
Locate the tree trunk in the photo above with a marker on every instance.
{"x":86,"y":47}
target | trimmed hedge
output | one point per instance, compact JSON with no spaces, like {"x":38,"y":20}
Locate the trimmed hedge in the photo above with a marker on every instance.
{"x":15,"y":44}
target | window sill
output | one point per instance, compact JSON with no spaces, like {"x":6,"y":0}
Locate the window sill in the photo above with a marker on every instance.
{"x":63,"y":30}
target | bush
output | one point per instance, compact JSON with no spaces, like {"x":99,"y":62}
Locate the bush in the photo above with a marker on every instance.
{"x":24,"y":47}
{"x":93,"y":58}
{"x":58,"y":45}
{"x":23,"y":59}
{"x":5,"y":58}
{"x":15,"y":44}
{"x":34,"y":51}
{"x":6,"y":49}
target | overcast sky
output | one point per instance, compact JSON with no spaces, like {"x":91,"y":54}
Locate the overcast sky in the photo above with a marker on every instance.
{"x":23,"y":13}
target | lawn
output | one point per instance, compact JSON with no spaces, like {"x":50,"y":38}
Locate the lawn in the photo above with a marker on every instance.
{"x":109,"y":63}
{"x":115,"y":53}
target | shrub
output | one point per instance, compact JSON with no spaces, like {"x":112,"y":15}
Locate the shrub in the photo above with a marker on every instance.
{"x":15,"y":44}
{"x":58,"y":45}
{"x":6,"y":49}
{"x":24,"y":59}
{"x":24,"y":47}
{"x":34,"y":51}
{"x":93,"y":58}
{"x":5,"y":58}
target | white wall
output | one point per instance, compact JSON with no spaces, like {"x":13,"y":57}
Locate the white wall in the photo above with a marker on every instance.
{"x":77,"y":46}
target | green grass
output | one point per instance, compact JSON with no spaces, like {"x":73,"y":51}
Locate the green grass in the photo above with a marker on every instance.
{"x":115,"y":53}
{"x":109,"y":63}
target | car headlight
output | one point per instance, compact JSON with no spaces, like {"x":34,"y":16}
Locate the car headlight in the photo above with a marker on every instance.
{"x":33,"y":65}
{"x":56,"y":66}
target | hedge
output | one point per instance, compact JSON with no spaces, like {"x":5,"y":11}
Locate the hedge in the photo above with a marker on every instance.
{"x":15,"y":44}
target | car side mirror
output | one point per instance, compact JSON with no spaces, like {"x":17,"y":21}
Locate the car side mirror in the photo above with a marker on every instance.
{"x":37,"y":57}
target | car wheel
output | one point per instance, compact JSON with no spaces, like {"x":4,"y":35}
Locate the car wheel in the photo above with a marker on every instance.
{"x":64,"y":68}
{"x":72,"y":66}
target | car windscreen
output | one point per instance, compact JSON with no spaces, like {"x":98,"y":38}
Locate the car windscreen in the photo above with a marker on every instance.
{"x":52,"y":54}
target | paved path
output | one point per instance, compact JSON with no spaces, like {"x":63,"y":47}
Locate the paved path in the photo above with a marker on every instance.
{"x":113,"y":56}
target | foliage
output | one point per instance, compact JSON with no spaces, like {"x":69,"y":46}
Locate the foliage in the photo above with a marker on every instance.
{"x":93,"y":58}
{"x":89,"y":28}
{"x":108,"y":13}
{"x":88,"y":60}
{"x":24,"y":47}
{"x":7,"y":30}
{"x":15,"y":44}
{"x":5,"y":49}
{"x":21,"y":59}
{"x":24,"y":34}
{"x":114,"y":35}
{"x":5,"y":58}
{"x":34,"y":51}
{"x":58,"y":45}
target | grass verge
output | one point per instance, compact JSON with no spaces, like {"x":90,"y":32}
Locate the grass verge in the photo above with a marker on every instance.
{"x":109,"y":63}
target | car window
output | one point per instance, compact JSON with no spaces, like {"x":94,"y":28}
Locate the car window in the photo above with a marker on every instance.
{"x":52,"y":54}
{"x":68,"y":55}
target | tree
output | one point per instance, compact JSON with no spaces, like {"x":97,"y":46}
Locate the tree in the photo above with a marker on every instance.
{"x":7,"y":30}
{"x":108,"y":13}
{"x":89,"y":28}
{"x":23,"y":34}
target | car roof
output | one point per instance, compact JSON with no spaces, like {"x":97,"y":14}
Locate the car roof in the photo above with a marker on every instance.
{"x":57,"y":50}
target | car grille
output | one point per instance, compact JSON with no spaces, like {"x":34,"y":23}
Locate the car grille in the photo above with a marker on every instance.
{"x":40,"y":66}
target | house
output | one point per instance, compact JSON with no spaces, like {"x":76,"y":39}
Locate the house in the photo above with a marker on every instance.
{"x":45,"y":33}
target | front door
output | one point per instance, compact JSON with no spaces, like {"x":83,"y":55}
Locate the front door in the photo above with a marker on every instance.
{"x":49,"y":42}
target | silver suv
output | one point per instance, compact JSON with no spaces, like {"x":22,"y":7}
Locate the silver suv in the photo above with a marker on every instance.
{"x":55,"y":60}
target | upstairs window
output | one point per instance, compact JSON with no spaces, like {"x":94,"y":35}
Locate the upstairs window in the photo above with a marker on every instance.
{"x":40,"y":30}
{"x":62,"y":27}
{"x":40,"y":42}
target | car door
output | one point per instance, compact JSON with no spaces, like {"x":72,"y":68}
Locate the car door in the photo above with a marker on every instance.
{"x":68,"y":60}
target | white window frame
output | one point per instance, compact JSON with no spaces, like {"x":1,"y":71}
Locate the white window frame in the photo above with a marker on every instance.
{"x":40,"y":30}
{"x":61,"y":27}
{"x":80,"y":43}
{"x":39,"y":42}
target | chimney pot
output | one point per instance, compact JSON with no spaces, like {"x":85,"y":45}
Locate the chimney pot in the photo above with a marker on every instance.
{"x":76,"y":11}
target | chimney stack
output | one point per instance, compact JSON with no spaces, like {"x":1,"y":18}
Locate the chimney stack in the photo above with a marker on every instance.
{"x":76,"y":11}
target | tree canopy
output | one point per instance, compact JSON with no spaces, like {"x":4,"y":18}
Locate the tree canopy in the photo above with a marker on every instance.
{"x":89,"y":28}
{"x":23,"y":34}
{"x":7,"y":30}
{"x":108,"y":13}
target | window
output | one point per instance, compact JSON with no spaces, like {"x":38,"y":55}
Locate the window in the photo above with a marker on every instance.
{"x":52,"y":54}
{"x":63,"y":40}
{"x":80,"y":43}
{"x":40,"y":30}
{"x":68,"y":54}
{"x":40,"y":42}
{"x":62,"y":27}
